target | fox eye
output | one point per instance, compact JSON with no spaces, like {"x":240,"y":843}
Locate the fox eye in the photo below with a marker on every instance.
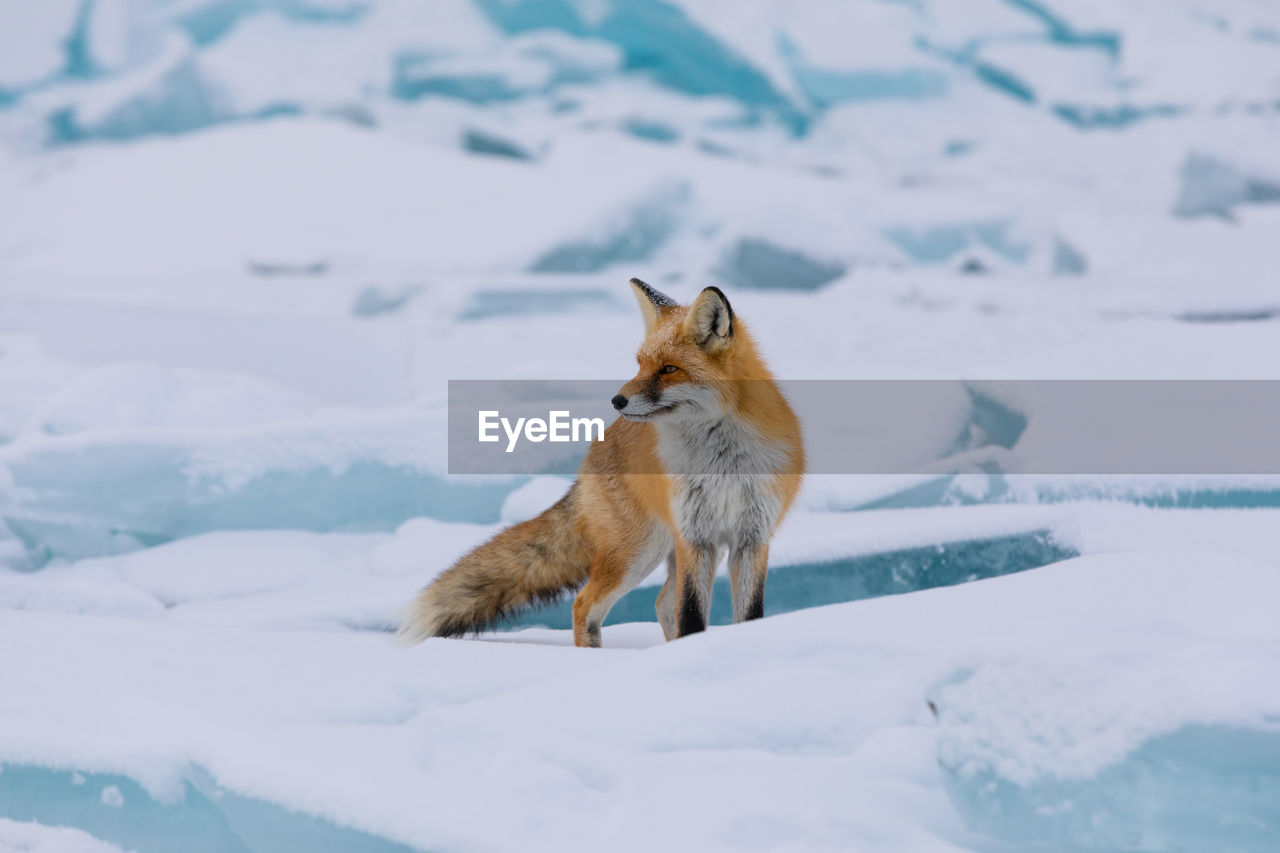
{"x":669,"y":368}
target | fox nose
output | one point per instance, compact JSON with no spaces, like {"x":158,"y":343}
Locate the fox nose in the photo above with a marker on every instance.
{"x":619,"y":402}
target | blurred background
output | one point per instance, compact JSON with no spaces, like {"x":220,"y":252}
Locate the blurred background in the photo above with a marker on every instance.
{"x":245,"y":243}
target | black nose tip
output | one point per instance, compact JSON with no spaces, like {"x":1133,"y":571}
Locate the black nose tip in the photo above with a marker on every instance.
{"x":619,"y":402}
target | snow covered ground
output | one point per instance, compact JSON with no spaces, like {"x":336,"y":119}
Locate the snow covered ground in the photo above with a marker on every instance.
{"x":244,"y":244}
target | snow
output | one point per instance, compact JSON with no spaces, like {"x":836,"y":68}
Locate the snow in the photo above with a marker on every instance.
{"x":123,"y":395}
{"x":532,"y":498}
{"x":762,"y":714}
{"x":26,"y":837}
{"x":33,"y":36}
{"x":245,"y":247}
{"x":1035,"y":748}
{"x":290,"y":167}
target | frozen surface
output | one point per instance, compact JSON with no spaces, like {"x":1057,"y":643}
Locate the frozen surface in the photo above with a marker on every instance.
{"x":28,"y":837}
{"x":244,"y":244}
{"x":204,"y":818}
{"x":767,"y":713}
{"x":1064,"y":748}
{"x":113,"y":490}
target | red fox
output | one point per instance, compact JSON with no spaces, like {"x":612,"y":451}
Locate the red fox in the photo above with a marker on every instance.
{"x":703,"y":411}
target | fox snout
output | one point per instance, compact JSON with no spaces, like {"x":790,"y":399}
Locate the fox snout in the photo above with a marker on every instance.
{"x":639,"y":399}
{"x":631,"y":402}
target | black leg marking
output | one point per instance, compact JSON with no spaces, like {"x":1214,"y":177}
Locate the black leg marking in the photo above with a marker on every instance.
{"x":593,"y":635}
{"x":755,"y":609}
{"x":691,"y":619}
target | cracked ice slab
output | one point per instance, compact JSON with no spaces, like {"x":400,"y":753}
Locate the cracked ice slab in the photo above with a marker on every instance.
{"x":106,"y":492}
{"x":1083,"y":746}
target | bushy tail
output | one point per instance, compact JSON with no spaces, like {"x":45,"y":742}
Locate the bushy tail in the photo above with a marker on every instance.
{"x":529,"y":563}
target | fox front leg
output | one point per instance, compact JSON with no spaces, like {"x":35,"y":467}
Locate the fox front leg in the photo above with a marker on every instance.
{"x":748,"y":568}
{"x":666,"y":604}
{"x":695,"y":573}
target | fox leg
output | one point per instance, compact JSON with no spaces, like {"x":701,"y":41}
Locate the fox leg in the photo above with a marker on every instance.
{"x":748,"y":568}
{"x":604,"y":587}
{"x":612,"y":576}
{"x":667,"y":600}
{"x":695,"y":573}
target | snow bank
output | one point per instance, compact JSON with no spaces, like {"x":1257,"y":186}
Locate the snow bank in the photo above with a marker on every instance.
{"x":205,"y":818}
{"x":35,"y":838}
{"x":404,"y":204}
{"x":536,"y":62}
{"x":630,"y":235}
{"x":106,"y":492}
{"x":1130,"y":742}
{"x":33,"y":43}
{"x":1212,"y":187}
{"x":122,"y":396}
{"x":768,"y":715}
{"x":304,"y":580}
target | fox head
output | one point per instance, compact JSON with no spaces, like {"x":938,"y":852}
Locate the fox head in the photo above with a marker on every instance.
{"x":690,"y":358}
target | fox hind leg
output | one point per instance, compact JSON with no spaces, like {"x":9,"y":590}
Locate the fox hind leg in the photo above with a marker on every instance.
{"x":604,"y":587}
{"x":612,"y":577}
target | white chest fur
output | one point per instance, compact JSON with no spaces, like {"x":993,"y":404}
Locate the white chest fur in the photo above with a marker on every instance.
{"x":724,"y":471}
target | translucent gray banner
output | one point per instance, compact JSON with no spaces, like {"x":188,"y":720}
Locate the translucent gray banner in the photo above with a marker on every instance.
{"x":904,"y":426}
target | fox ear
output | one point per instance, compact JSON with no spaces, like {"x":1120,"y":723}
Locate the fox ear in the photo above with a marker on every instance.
{"x":652,"y":303}
{"x":710,"y":320}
